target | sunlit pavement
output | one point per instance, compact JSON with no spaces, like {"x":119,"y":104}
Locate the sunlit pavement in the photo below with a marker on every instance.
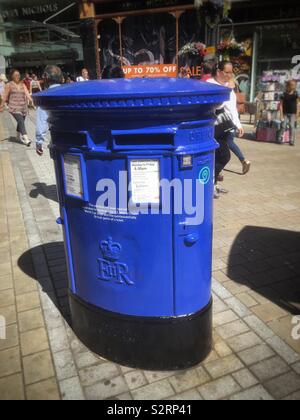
{"x":256,"y":288}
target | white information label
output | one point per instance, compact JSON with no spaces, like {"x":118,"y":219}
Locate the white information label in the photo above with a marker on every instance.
{"x":145,"y":181}
{"x":73,"y":177}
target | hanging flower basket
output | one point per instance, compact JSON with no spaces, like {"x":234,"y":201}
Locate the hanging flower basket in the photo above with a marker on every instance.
{"x":194,"y":49}
{"x":230,"y":49}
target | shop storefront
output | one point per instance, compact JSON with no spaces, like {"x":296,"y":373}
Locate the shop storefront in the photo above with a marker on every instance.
{"x":40,"y":32}
{"x":160,"y":38}
{"x":271,"y":54}
{"x":147,"y":38}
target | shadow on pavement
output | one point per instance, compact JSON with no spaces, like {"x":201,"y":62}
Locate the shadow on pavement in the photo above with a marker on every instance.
{"x":265,"y":260}
{"x":233,"y":172}
{"x":48,"y":191}
{"x":51,"y":275}
{"x":249,"y":136}
{"x":12,"y":139}
{"x":273,"y":267}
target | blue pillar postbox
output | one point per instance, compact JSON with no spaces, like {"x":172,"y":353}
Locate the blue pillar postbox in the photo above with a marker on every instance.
{"x":134,"y":162}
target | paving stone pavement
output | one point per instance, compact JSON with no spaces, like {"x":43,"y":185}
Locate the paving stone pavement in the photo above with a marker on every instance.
{"x":256,"y":289}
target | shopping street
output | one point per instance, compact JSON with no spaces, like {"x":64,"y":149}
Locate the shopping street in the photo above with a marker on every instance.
{"x":256,"y":288}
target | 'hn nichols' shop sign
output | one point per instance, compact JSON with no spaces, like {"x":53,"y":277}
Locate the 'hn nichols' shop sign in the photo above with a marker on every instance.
{"x":31,"y":10}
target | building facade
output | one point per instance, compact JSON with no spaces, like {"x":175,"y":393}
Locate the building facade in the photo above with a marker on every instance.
{"x":40,"y":32}
{"x":132,"y":33}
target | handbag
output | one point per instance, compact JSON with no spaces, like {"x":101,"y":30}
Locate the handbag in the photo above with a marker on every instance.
{"x":241,"y":103}
{"x":223,"y":123}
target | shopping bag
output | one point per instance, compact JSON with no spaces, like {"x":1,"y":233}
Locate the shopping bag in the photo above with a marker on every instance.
{"x":266,"y":134}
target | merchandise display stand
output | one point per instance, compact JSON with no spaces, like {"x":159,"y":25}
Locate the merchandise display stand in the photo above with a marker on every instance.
{"x":271,"y":88}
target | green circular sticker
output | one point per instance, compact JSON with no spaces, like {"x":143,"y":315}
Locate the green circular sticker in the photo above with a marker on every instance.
{"x":204,"y":175}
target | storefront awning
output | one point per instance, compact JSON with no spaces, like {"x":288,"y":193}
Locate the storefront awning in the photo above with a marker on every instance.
{"x":41,"y":58}
{"x":31,"y":24}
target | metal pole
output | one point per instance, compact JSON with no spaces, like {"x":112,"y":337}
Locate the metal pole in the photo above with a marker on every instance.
{"x":177,"y":39}
{"x":254,"y":66}
{"x":177,"y":16}
{"x":218,"y":36}
{"x":120,"y":20}
{"x":97,"y":47}
{"x":58,"y":13}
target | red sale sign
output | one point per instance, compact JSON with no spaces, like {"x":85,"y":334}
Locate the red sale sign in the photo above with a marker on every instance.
{"x":151,"y":70}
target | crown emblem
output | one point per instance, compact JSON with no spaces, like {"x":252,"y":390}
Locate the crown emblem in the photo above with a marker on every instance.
{"x":111,"y":250}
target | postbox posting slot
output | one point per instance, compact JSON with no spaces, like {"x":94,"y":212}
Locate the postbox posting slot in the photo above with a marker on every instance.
{"x":158,"y":138}
{"x":81,"y":140}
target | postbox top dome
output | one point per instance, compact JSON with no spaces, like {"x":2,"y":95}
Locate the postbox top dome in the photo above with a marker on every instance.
{"x":131,"y":93}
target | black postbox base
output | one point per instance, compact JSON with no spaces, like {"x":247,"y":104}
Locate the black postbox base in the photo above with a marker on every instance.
{"x":143,"y":342}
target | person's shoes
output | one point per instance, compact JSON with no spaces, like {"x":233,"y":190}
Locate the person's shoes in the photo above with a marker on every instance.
{"x":221,"y":178}
{"x":25,"y":140}
{"x":216,"y":194}
{"x":39,"y":150}
{"x":246,"y":166}
{"x":221,"y":190}
{"x":292,"y":144}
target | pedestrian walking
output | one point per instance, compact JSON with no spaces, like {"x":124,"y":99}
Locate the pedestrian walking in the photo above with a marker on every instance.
{"x":52,"y":77}
{"x":84,"y":76}
{"x":235,"y":149}
{"x":35,"y":85}
{"x":27,"y":80}
{"x":289,"y":110}
{"x":3,"y":81}
{"x":227,"y":121}
{"x":69,"y":79}
{"x":17,"y":97}
{"x":208,"y":69}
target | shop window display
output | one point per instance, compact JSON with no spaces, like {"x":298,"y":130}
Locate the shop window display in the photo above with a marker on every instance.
{"x":152,"y":40}
{"x":149,"y":39}
{"x":191,"y":48}
{"x":146,"y":39}
{"x":109,"y":43}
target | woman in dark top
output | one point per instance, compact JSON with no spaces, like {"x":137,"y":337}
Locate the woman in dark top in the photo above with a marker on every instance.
{"x":289,"y":110}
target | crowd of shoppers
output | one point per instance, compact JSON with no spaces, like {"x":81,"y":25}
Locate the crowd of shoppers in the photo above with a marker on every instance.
{"x":17,"y":96}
